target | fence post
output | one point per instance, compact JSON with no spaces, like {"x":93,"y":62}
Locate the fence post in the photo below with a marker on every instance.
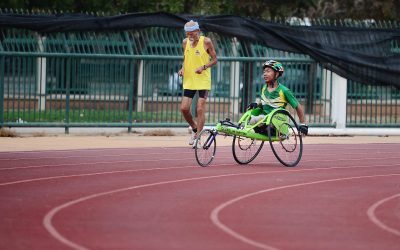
{"x":139,"y":104}
{"x":67,"y":93}
{"x":130,"y":94}
{"x":234,"y":80}
{"x":41,"y":63}
{"x":326,"y":92}
{"x":2,"y":70}
{"x":339,"y":100}
{"x":235,"y":88}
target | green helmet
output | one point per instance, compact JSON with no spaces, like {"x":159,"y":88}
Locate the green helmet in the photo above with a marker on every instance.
{"x":275,"y":65}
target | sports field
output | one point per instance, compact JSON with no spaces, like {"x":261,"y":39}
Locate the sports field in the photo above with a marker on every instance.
{"x":147,"y":192}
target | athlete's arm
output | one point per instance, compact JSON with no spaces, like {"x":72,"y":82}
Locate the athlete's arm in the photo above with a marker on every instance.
{"x":180,"y":72}
{"x":300,"y":113}
{"x":209,"y":47}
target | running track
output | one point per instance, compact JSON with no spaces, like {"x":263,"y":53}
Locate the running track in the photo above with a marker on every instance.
{"x":338,"y":197}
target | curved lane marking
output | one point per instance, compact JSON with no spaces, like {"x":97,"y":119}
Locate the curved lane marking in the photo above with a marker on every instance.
{"x":214,"y":216}
{"x":376,"y":221}
{"x":193,"y":166}
{"x":91,"y":174}
{"x":47,"y":220}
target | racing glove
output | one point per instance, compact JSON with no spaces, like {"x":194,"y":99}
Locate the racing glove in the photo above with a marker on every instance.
{"x":303,"y":128}
{"x":254,"y":105}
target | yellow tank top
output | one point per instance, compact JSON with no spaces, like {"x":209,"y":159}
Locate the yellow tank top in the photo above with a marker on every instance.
{"x":194,"y":58}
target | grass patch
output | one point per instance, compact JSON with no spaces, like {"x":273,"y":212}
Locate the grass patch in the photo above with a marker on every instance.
{"x":91,"y":116}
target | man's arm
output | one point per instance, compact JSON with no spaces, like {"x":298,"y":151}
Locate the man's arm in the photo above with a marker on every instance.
{"x":209,"y":46}
{"x":180,"y":73}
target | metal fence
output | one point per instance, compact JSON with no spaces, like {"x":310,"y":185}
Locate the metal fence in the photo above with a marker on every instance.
{"x":372,"y":106}
{"x":129,"y":78}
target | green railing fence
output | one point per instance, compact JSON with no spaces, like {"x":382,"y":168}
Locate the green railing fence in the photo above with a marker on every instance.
{"x":129,"y":78}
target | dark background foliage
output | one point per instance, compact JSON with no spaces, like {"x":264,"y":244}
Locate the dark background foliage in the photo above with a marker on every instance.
{"x":265,"y":9}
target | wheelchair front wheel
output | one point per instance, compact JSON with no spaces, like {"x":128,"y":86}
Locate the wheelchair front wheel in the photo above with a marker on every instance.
{"x":205,"y":147}
{"x":285,"y":138}
{"x":245,"y":150}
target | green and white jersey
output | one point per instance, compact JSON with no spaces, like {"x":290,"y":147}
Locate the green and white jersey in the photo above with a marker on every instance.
{"x":280,"y":97}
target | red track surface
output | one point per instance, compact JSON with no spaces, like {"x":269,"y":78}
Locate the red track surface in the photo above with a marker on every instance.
{"x":338,"y":197}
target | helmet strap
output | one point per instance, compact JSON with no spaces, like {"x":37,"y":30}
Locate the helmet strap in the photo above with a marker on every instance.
{"x":273,"y":82}
{"x":276,"y":76}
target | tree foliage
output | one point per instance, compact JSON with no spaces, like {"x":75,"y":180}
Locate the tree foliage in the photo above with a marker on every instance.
{"x":266,"y":9}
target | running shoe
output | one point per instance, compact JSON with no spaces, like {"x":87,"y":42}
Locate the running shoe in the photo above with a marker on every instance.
{"x":197,"y":143}
{"x":192,"y":138}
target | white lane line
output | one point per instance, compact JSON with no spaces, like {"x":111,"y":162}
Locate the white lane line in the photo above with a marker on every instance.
{"x":287,"y":170}
{"x":105,"y":173}
{"x":105,"y":162}
{"x":79,"y":150}
{"x":89,"y":163}
{"x":89,"y":156}
{"x":372,"y":216}
{"x":140,"y":154}
{"x":214,"y":216}
{"x":174,"y":159}
{"x":83,"y":175}
{"x":47,"y":220}
{"x":355,"y":147}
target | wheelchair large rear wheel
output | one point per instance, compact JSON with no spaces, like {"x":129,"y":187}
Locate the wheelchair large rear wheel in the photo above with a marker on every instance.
{"x":245,"y":149}
{"x":285,"y":138}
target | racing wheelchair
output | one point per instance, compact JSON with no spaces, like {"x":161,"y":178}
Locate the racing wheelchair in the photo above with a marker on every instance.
{"x":279,"y":128}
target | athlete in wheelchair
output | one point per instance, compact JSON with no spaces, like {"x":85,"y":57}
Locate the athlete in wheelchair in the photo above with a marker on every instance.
{"x":274,"y":95}
{"x":265,"y":121}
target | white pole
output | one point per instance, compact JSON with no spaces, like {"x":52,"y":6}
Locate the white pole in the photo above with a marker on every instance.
{"x":235,"y":85}
{"x":139,"y":104}
{"x":41,"y":63}
{"x":234,"y":81}
{"x":339,"y":100}
{"x":326,"y":89}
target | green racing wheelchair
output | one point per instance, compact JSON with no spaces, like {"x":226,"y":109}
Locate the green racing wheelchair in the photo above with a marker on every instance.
{"x":279,"y":128}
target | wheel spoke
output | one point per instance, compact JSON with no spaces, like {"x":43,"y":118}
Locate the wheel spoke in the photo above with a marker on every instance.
{"x":205,"y":147}
{"x":245,"y":150}
{"x":286,"y":143}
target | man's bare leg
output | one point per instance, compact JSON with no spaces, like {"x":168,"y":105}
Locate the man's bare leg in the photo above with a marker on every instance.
{"x":201,"y":113}
{"x":185,"y":109}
